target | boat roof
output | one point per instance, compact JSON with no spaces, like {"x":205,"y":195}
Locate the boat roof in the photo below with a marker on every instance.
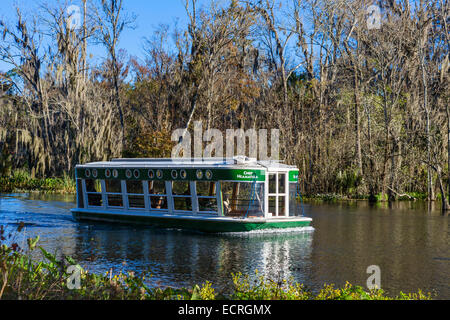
{"x":237,"y":162}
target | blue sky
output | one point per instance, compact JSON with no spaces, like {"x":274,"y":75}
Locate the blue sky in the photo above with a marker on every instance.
{"x":149,"y":15}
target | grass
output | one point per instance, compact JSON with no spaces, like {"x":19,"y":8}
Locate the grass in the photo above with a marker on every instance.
{"x":21,"y":181}
{"x":380,"y":197}
{"x":22,"y":278}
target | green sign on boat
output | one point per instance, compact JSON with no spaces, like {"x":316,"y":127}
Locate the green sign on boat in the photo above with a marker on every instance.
{"x":293,"y":176}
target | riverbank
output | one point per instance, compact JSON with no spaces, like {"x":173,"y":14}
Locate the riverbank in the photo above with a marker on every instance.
{"x":21,"y":181}
{"x":330,"y":197}
{"x":51,"y":278}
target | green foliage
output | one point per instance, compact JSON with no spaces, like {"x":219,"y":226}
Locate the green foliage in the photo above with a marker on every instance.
{"x":266,"y":289}
{"x":381,"y":197}
{"x":149,"y":144}
{"x":5,"y":161}
{"x":348,"y":181}
{"x":327,"y":197}
{"x":21,"y":180}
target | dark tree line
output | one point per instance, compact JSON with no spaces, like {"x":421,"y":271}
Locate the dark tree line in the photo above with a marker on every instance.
{"x":361,"y":110}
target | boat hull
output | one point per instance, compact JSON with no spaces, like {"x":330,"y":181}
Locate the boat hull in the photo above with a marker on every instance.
{"x":209,"y":224}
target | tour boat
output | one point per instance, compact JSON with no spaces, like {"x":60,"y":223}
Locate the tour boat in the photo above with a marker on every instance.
{"x":209,"y":195}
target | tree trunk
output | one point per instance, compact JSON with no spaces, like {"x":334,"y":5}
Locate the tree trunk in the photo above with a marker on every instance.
{"x":447,"y":109}
{"x":445,"y":204}
{"x":427,"y":130}
{"x":357,"y":121}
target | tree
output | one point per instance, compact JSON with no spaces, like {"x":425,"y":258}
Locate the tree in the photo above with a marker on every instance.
{"x":111,"y":22}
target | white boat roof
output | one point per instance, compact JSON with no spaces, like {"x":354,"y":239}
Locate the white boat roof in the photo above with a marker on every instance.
{"x":237,"y":162}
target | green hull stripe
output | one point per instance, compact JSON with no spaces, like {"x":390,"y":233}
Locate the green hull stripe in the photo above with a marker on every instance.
{"x":211,"y":226}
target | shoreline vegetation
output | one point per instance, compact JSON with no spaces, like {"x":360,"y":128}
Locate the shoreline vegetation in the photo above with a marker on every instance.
{"x":20,"y":181}
{"x":23,"y":278}
{"x":331,"y":197}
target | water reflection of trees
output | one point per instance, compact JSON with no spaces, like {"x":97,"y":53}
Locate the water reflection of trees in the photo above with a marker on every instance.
{"x":184,"y":258}
{"x":402,"y":239}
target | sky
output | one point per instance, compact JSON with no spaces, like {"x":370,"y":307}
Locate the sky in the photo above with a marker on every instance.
{"x":149,"y":15}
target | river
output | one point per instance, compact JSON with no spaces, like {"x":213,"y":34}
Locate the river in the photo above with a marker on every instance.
{"x":408,"y":241}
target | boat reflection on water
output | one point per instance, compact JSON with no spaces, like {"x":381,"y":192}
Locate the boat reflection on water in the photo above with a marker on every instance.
{"x":182,"y":258}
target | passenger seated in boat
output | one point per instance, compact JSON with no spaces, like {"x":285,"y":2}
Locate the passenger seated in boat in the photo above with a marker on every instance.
{"x":157,"y":202}
{"x":226,"y":207}
{"x":230,"y":211}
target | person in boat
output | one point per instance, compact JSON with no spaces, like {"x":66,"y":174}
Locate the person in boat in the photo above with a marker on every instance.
{"x":226,"y":206}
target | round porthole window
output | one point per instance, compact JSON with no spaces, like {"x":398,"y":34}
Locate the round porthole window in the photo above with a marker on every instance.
{"x":159,"y":174}
{"x":151,"y":174}
{"x":115,"y":173}
{"x":183,"y":174}
{"x":136,"y":173}
{"x":199,"y":174}
{"x":128,"y":173}
{"x":208,"y":174}
{"x":87,"y":173}
{"x":94,"y":173}
{"x":107,"y":173}
{"x":174,"y":174}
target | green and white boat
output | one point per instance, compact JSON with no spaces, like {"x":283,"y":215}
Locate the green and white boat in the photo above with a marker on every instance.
{"x":209,"y":195}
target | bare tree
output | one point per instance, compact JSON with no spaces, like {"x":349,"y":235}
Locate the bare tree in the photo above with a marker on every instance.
{"x":111,"y":22}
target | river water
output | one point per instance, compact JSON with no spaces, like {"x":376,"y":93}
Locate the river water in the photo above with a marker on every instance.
{"x":408,"y":241}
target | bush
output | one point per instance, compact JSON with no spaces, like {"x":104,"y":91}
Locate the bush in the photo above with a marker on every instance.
{"x":22,"y":181}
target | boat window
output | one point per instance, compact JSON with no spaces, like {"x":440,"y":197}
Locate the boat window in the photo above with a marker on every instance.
{"x":182,"y":203}
{"x":95,"y":199}
{"x":281,"y":206}
{"x":207,"y":204}
{"x":114,"y":200}
{"x":272,"y":205}
{"x":205,"y":188}
{"x":243,"y":199}
{"x":158,"y":202}
{"x":277,"y":194}
{"x":281,"y":182}
{"x":93,"y":190}
{"x":136,"y":202}
{"x":181,"y":193}
{"x":272,"y":183}
{"x":135,"y":195}
{"x":114,"y":193}
{"x":295,"y":208}
{"x":93,"y":185}
{"x":113,"y":186}
{"x":156,"y":187}
{"x":158,"y":197}
{"x":206,"y":194}
{"x":181,"y":188}
{"x":134,"y":187}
